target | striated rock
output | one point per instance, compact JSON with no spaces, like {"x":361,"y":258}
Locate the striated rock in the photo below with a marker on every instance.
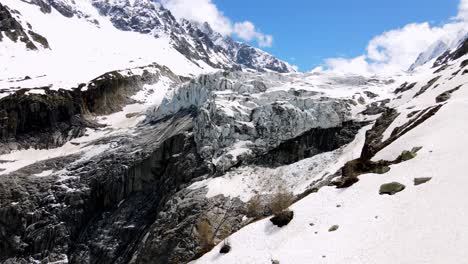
{"x":41,"y":121}
{"x":311,"y":143}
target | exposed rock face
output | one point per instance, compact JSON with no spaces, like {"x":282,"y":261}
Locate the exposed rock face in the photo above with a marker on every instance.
{"x":15,"y":31}
{"x":111,"y":91}
{"x":311,"y":143}
{"x":427,"y":86}
{"x":29,"y":119}
{"x":40,"y":120}
{"x":448,"y":55}
{"x":405,"y":87}
{"x":91,"y":216}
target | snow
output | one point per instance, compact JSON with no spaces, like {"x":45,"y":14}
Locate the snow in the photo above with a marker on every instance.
{"x":81,"y":50}
{"x":153,"y":94}
{"x":44,"y":173}
{"x":422,"y":224}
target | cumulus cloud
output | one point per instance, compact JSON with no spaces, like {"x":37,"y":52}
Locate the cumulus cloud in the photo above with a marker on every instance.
{"x":206,"y":11}
{"x":246,"y":30}
{"x":463,"y":10}
{"x":396,"y":50}
{"x":356,"y":65}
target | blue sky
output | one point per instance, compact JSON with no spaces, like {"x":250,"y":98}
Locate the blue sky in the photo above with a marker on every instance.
{"x":355,"y":36}
{"x":306,"y":32}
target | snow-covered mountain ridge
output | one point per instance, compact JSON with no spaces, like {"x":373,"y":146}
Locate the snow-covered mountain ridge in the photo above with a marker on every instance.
{"x":135,"y":138}
{"x":98,"y":36}
{"x":418,"y":144}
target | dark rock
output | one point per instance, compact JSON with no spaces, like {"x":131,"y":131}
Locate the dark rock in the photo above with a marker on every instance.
{"x":333,"y":228}
{"x":450,"y":56}
{"x":427,"y":86}
{"x":463,"y":64}
{"x":419,"y":181}
{"x":225,"y":248}
{"x":283,"y":218}
{"x":442,"y":59}
{"x":371,"y":95}
{"x":39,"y":39}
{"x":391,"y":188}
{"x":404,"y":87}
{"x":375,"y":135}
{"x":41,"y":120}
{"x":407,"y":155}
{"x":13,"y":29}
{"x":441,"y":68}
{"x":345,"y":182}
{"x":413,"y":113}
{"x":445,"y":96}
{"x":361,"y":100}
{"x":376,"y":108}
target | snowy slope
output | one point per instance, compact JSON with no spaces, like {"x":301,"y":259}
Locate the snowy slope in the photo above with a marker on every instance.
{"x":421,"y":224}
{"x":98,"y":36}
{"x":80,"y":51}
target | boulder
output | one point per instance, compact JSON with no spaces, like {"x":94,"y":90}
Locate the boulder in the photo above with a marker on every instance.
{"x":391,"y":188}
{"x":419,"y":181}
{"x":283,"y":218}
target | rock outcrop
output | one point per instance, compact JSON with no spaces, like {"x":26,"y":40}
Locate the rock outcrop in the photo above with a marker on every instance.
{"x":45,"y":118}
{"x":11,"y":27}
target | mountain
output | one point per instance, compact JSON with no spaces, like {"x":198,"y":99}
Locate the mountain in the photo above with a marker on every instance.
{"x":389,"y":196}
{"x":438,"y":48}
{"x":98,"y":36}
{"x":127,"y":136}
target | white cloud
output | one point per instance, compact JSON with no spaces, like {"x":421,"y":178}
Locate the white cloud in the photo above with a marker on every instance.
{"x":356,"y":65}
{"x":246,"y":30}
{"x":396,"y":50}
{"x":206,"y":11}
{"x":265,"y":40}
{"x":463,"y":10}
{"x":402,"y":46}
